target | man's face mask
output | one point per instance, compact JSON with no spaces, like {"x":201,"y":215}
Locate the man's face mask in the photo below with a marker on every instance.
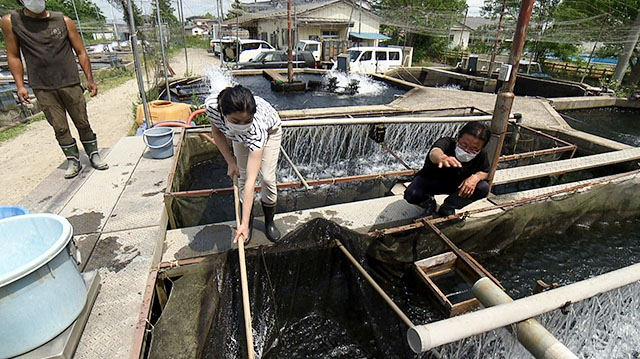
{"x":35,"y":6}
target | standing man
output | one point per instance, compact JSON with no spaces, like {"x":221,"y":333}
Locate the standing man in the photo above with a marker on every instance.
{"x":48,"y":40}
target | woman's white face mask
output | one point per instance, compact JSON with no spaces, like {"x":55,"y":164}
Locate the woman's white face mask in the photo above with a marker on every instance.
{"x":35,"y":6}
{"x":236,"y":129}
{"x":464,"y":156}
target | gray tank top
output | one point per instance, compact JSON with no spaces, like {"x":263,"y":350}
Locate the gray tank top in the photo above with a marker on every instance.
{"x":47,"y":50}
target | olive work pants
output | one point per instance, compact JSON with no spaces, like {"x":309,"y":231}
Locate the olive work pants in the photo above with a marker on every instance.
{"x":268,"y":166}
{"x":57,"y":103}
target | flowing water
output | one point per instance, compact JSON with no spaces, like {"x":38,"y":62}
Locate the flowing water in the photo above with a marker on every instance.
{"x":369,"y":90}
{"x":615,"y":123}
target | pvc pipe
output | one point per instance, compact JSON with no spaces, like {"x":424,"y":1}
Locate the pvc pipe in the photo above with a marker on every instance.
{"x":382,"y":119}
{"x":530,"y":333}
{"x":424,"y":337}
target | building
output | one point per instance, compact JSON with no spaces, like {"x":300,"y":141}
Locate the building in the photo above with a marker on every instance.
{"x":333,"y":19}
{"x":471,"y":29}
{"x":196,"y":30}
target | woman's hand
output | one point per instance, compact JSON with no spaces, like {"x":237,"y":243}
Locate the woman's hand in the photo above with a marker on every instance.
{"x":232,"y":169}
{"x":468,"y":186}
{"x":448,"y":161}
{"x":242,"y":232}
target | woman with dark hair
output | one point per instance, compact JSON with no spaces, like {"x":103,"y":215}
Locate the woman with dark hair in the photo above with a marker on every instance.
{"x":254,"y":127}
{"x":458,"y":167}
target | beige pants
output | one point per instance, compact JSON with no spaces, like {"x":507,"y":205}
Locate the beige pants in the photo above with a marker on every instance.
{"x":267,"y":167}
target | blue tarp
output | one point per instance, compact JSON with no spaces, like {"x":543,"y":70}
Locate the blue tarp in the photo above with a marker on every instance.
{"x":369,"y":36}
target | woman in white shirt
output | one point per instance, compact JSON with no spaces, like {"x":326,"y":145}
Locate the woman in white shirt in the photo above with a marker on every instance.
{"x":254,"y":127}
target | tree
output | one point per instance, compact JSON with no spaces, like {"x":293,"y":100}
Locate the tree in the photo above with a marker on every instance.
{"x":237,"y":10}
{"x":87,"y":9}
{"x":166,"y":11}
{"x":123,"y":7}
{"x":421,"y":24}
{"x":209,"y":16}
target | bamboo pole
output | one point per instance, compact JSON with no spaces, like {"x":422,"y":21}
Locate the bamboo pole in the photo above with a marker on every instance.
{"x":243,"y":276}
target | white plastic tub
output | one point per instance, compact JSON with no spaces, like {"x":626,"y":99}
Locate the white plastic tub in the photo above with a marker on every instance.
{"x":41,"y":289}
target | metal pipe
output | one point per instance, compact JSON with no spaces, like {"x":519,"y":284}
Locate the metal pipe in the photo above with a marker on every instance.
{"x":375,"y":286}
{"x":290,"y":51}
{"x":324,"y":181}
{"x":383,"y":119}
{"x":295,"y":169}
{"x":630,"y":44}
{"x":184,"y":36}
{"x":530,"y":333}
{"x":164,"y":58}
{"x":504,"y":102}
{"x":424,"y":337}
{"x":497,"y":40}
{"x":136,"y":61}
{"x":78,"y":20}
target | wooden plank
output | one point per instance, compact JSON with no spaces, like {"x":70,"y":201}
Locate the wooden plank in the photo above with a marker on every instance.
{"x":518,"y":174}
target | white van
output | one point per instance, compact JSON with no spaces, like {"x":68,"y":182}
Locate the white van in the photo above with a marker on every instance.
{"x":315,"y":47}
{"x":374,"y":59}
{"x":249,"y":49}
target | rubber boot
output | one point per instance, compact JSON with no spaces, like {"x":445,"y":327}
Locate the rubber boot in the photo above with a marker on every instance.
{"x":452,"y":203}
{"x":73,"y":159}
{"x":91,"y":147}
{"x":246,"y":241}
{"x":429,"y":207}
{"x":270,"y":229}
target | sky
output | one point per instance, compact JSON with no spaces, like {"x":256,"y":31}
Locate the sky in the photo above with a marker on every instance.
{"x":200,"y":7}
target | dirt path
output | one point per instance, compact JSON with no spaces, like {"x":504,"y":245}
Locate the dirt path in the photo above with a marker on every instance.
{"x":30,"y":157}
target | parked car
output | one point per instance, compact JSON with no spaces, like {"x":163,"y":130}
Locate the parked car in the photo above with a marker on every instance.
{"x":315,"y":47}
{"x":280,"y":59}
{"x":374,"y":59}
{"x":249,"y":49}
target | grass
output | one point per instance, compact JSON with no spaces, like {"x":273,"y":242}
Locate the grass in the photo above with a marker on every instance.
{"x":20,"y":128}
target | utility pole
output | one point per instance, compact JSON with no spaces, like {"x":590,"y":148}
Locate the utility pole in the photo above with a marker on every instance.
{"x":630,"y":44}
{"x":360,"y":23}
{"x":504,"y":102}
{"x":290,"y":64}
{"x":593,"y":50}
{"x":495,"y":43}
{"x":115,"y":28}
{"x":136,"y":61}
{"x":164,"y":58}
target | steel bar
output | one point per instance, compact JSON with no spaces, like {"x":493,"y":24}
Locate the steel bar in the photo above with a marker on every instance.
{"x":136,"y":61}
{"x":396,"y":156}
{"x":164,"y":58}
{"x":375,"y":285}
{"x":143,"y":315}
{"x":295,"y":169}
{"x":243,"y":275}
{"x":537,"y":153}
{"x":209,"y":192}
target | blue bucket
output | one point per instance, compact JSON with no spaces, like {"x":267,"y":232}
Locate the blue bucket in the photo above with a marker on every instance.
{"x":41,"y":289}
{"x":10,"y":211}
{"x":160,"y":141}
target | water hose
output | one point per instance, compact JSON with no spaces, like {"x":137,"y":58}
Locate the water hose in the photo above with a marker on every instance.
{"x":194,"y":114}
{"x":243,"y":276}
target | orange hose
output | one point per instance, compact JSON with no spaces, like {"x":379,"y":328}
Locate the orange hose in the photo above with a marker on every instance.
{"x":208,"y":138}
{"x":171,"y":124}
{"x":194,"y":114}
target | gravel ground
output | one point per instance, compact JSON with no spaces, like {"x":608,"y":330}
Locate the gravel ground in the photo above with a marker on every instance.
{"x":27,"y":159}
